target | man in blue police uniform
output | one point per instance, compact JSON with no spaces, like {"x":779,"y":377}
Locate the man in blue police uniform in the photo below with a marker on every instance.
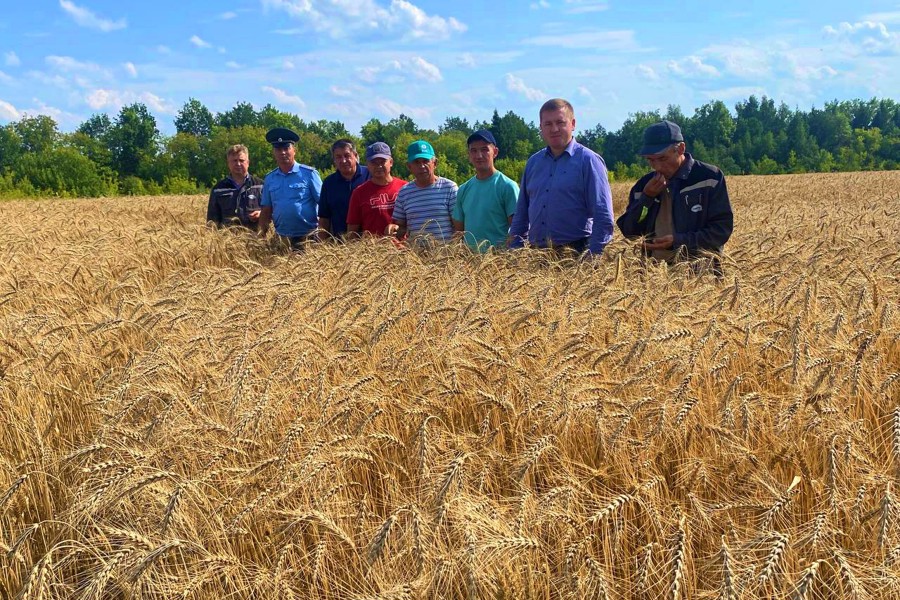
{"x":290,"y":191}
{"x":681,"y":208}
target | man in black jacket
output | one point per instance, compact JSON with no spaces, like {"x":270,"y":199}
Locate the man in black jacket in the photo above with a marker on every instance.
{"x":681,"y":208}
{"x":235,"y":199}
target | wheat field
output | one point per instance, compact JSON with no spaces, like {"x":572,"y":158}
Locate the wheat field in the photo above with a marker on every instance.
{"x":191,"y":414}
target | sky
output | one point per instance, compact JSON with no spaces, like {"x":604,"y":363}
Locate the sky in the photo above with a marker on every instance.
{"x":352,"y":60}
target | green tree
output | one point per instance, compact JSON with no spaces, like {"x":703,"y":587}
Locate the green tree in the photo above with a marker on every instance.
{"x":64,"y":172}
{"x":269,"y":117}
{"x":455,"y":124}
{"x":241,"y":114}
{"x":10,"y":146}
{"x":593,"y":138}
{"x":194,"y":118}
{"x":133,"y":140}
{"x":372,"y":131}
{"x":713,"y":125}
{"x":510,"y":129}
{"x":38,"y":134}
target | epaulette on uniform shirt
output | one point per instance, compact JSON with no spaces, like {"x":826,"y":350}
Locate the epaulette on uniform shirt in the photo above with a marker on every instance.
{"x":307,"y":167}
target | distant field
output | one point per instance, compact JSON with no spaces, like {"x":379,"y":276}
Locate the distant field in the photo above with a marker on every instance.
{"x":186,"y":414}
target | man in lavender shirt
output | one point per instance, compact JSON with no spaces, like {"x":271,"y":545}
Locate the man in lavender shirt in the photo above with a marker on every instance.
{"x":564,"y":198}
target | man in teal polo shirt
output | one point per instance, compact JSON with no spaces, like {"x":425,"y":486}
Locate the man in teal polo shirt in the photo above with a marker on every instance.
{"x":486,"y":203}
{"x":291,"y":192}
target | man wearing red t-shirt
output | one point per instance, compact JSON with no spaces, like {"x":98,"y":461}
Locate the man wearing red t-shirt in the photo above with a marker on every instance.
{"x":372,"y":203}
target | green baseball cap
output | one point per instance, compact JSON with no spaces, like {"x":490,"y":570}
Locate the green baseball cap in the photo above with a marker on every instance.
{"x":419,"y":149}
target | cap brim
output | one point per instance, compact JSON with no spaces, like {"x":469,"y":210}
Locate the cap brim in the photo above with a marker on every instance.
{"x":415,"y":156}
{"x":655,"y":149}
{"x":373,"y":157}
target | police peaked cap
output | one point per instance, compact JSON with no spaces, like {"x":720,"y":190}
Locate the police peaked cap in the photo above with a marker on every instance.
{"x":279,"y":136}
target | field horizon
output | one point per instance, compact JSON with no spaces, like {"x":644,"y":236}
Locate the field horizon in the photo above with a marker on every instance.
{"x":189,"y":413}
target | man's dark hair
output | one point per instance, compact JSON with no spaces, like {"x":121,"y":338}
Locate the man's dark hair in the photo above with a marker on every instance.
{"x":341,"y":144}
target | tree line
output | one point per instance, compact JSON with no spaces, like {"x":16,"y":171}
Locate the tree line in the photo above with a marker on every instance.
{"x":128,"y":155}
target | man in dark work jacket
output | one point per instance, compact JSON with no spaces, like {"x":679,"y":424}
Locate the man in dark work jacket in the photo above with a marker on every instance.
{"x":235,"y":199}
{"x":681,"y":208}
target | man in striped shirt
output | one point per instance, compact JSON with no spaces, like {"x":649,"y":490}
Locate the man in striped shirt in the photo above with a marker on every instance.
{"x":424,"y":205}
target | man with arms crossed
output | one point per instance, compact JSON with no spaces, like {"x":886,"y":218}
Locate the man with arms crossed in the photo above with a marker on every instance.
{"x":682,"y":206}
{"x":424,"y":205}
{"x":290,"y":192}
{"x":564,"y":199}
{"x":372,"y":203}
{"x":235,"y":199}
{"x":485,"y":203}
{"x":337,"y":188}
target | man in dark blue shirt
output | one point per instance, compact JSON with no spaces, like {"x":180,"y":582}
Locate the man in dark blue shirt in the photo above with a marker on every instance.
{"x":337,"y":188}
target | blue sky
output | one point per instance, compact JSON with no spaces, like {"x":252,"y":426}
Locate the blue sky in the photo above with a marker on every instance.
{"x":352,"y":60}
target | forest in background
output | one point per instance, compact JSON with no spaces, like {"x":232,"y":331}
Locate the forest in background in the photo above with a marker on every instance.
{"x":128,"y":155}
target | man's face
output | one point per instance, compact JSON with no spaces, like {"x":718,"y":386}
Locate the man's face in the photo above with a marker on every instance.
{"x":345,"y":161}
{"x":423,"y":169}
{"x":284,"y":156}
{"x":380,"y":168}
{"x":557,"y":127}
{"x":482,"y":155}
{"x":668,"y":161}
{"x":238,"y":166}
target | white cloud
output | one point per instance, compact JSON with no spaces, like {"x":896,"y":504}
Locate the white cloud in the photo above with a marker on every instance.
{"x":584,"y":92}
{"x":884,"y":17}
{"x":869,"y":37}
{"x":340,"y":92}
{"x":163,"y":49}
{"x":692,"y":66}
{"x":391,"y":72}
{"x":234,"y":65}
{"x":817,"y":73}
{"x":11,"y":59}
{"x":466,"y":60}
{"x":742,"y":60}
{"x":338,"y":18}
{"x":423,"y":69}
{"x":735,"y":93}
{"x":227,"y":16}
{"x":130,"y":69}
{"x":646,"y":72}
{"x":86,"y":18}
{"x":585,"y":6}
{"x":68,"y":64}
{"x":539,"y":4}
{"x":288,"y":64}
{"x":517,"y":85}
{"x":5,"y":78}
{"x":115,"y":99}
{"x":9,"y":112}
{"x":618,"y":40}
{"x":393,"y":109}
{"x":199,"y":42}
{"x":285,"y":98}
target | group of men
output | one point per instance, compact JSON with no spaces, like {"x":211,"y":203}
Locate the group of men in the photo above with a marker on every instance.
{"x":679,"y":210}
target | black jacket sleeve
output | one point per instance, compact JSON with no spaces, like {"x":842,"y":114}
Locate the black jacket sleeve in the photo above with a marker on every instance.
{"x":718,"y":226}
{"x":634,"y":222}
{"x":213,"y":212}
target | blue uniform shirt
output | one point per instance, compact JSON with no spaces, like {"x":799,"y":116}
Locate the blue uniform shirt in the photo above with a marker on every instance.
{"x":564,"y":199}
{"x":294,"y":198}
{"x":335,"y":200}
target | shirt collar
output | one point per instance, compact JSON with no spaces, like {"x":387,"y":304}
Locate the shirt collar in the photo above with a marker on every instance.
{"x":685,"y":169}
{"x":569,"y":149}
{"x":239,"y":184}
{"x":294,"y":169}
